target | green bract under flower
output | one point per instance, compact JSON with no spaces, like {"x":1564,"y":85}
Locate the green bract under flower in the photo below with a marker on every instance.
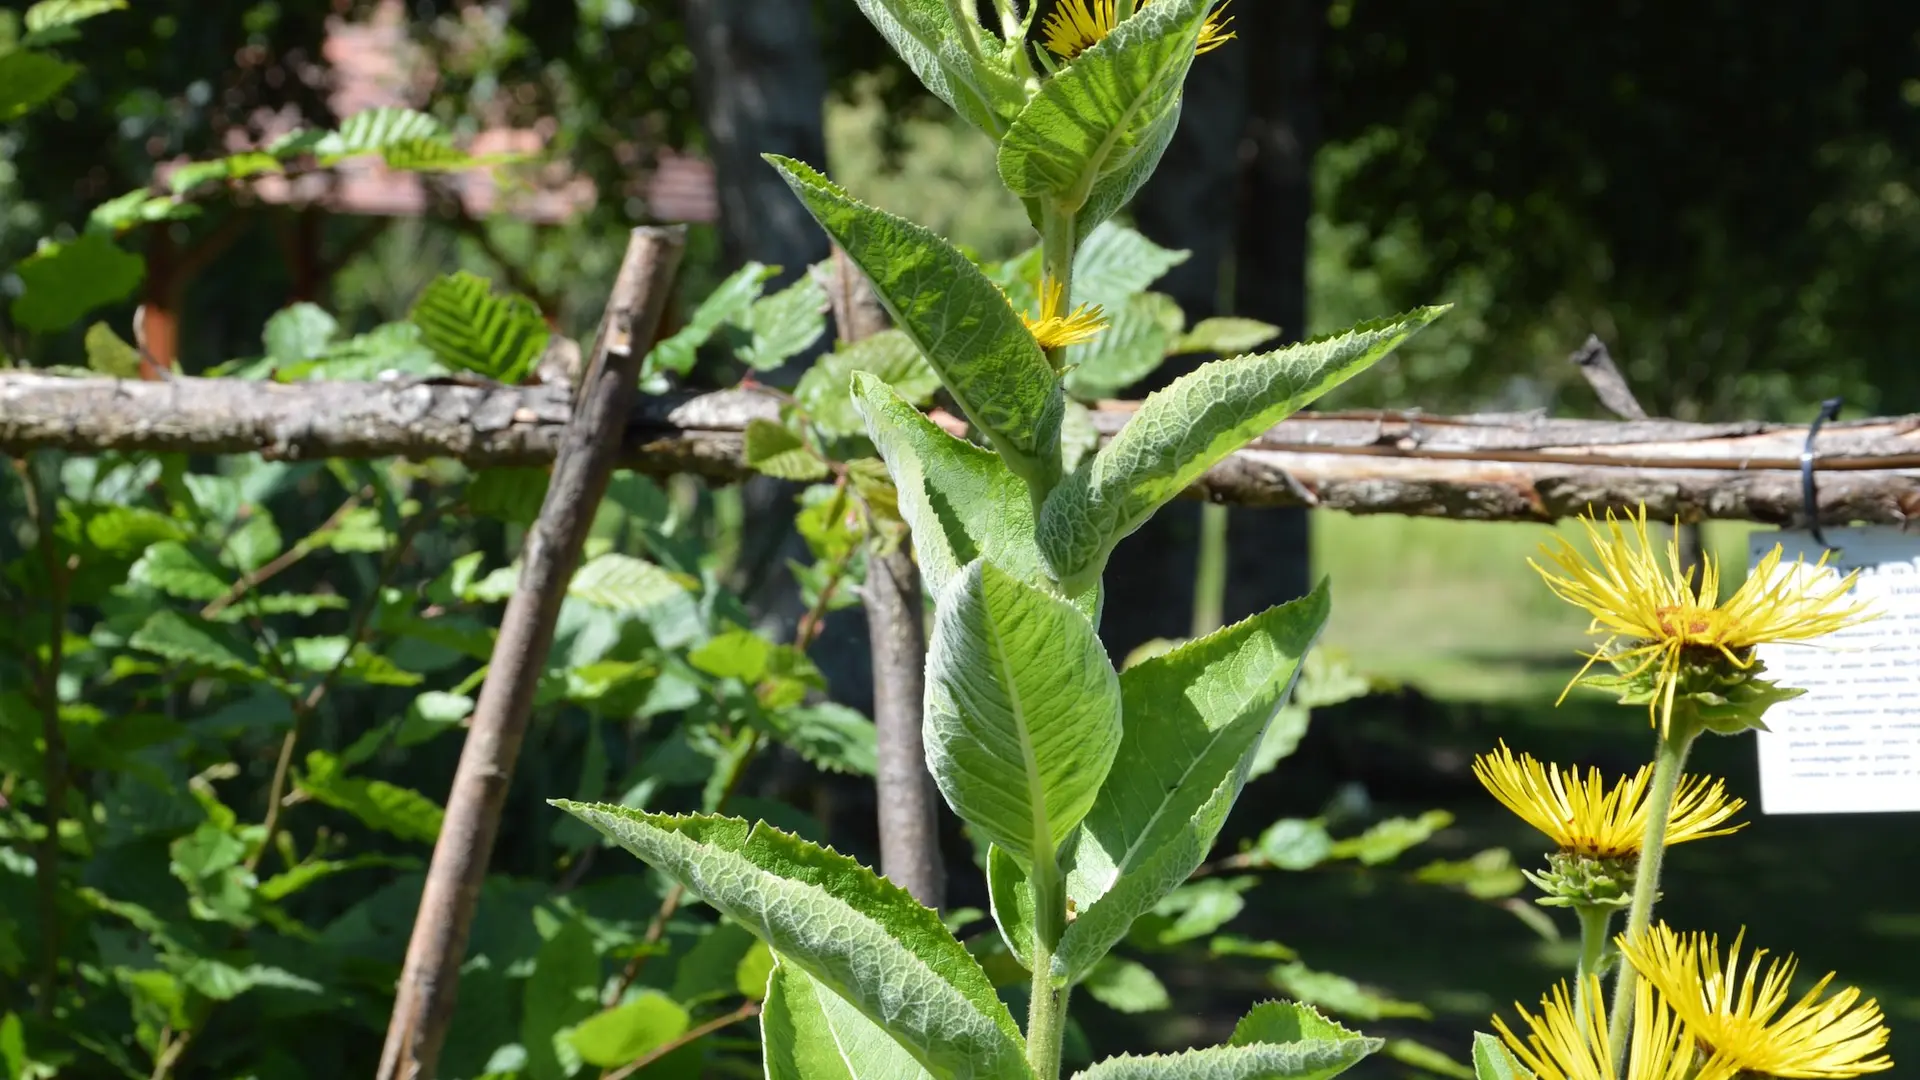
{"x":1669,"y":639}
{"x":1704,"y":691}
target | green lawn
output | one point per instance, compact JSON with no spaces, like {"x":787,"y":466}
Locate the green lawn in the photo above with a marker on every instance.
{"x":1452,"y":606}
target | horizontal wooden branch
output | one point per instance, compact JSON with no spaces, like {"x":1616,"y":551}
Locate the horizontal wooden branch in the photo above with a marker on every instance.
{"x":1493,"y":467}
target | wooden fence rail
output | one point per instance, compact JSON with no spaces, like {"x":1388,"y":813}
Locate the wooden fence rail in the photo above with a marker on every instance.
{"x":1491,"y":467}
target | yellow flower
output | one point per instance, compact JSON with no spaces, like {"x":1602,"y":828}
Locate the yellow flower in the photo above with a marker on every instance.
{"x":1584,"y":817}
{"x":1569,"y":1042}
{"x":1738,"y":1019}
{"x":1054,"y":330}
{"x":1664,"y":620}
{"x":1075,"y":26}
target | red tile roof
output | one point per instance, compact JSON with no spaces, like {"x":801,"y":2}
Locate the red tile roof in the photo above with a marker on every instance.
{"x":373,"y":66}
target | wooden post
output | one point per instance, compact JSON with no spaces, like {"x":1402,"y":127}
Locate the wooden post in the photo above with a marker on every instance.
{"x":909,"y":809}
{"x":423,"y":1004}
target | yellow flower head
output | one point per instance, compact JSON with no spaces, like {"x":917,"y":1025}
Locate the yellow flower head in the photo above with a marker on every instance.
{"x":1056,"y":330}
{"x":1738,"y":1017}
{"x":1584,"y":817}
{"x":1074,"y":26}
{"x":1568,"y":1041}
{"x":1651,"y":603}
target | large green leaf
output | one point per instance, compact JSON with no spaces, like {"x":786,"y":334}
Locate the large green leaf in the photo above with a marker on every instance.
{"x":829,"y":736}
{"x":855,"y":933}
{"x":784,"y":325}
{"x":1023,"y":711}
{"x":185,"y":179}
{"x":390,"y":808}
{"x":958,"y":499}
{"x":778,"y":451}
{"x":826,"y":390}
{"x":30,"y":79}
{"x":175,"y":569}
{"x":616,"y":1036}
{"x":185,"y":639}
{"x":1492,"y":1060}
{"x":49,"y":16}
{"x":626,"y":583}
{"x":976,"y":85}
{"x":1193,"y":718}
{"x":299,"y":332}
{"x":1127,"y":986}
{"x":562,"y":991}
{"x":1116,"y":262}
{"x":1010,"y":895}
{"x":728,"y":302}
{"x":809,"y":1033}
{"x":1226,"y":336}
{"x":1112,"y":192}
{"x":959,"y":319}
{"x":1101,"y":116}
{"x":471,"y":328}
{"x":436,"y":154}
{"x":373,"y":131}
{"x":1276,"y":1041}
{"x":62,"y":282}
{"x":1184,"y":430}
{"x":1132,"y":346}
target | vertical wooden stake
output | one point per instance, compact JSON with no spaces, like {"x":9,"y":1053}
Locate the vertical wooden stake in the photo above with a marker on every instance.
{"x":423,"y":1004}
{"x":909,"y":808}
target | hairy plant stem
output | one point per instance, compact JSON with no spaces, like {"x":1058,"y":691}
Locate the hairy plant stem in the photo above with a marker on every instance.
{"x":1056,"y":250}
{"x":1669,"y":758}
{"x":1595,"y":922}
{"x":1013,"y":27}
{"x":968,"y":24}
{"x":1047,"y":1009}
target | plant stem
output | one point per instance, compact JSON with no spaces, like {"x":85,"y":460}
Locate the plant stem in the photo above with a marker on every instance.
{"x":255,"y":578}
{"x":1669,"y":759}
{"x":1047,"y":1009}
{"x":1210,"y":576}
{"x":303,"y":707}
{"x":1046,"y":1018}
{"x":968,"y":24}
{"x":54,"y":760}
{"x":815,"y":619}
{"x":1595,"y":921}
{"x":1056,"y":250}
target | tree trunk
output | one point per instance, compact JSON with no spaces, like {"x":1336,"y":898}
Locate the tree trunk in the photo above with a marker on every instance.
{"x":761,"y":85}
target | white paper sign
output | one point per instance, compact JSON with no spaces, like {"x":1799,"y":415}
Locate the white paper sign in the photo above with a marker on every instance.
{"x":1851,"y":744}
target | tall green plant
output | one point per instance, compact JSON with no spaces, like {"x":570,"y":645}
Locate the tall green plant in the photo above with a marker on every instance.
{"x":1100,"y":792}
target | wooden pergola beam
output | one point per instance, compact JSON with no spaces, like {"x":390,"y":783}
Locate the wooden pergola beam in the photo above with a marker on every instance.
{"x":1490,"y":467}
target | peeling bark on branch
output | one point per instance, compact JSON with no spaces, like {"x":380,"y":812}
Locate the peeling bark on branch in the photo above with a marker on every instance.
{"x":1495,"y":467}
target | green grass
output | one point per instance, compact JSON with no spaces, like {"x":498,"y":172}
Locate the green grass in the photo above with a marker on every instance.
{"x":1452,"y":607}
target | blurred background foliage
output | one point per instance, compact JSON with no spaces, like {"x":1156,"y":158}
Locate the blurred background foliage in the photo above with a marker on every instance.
{"x":1724,"y":192}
